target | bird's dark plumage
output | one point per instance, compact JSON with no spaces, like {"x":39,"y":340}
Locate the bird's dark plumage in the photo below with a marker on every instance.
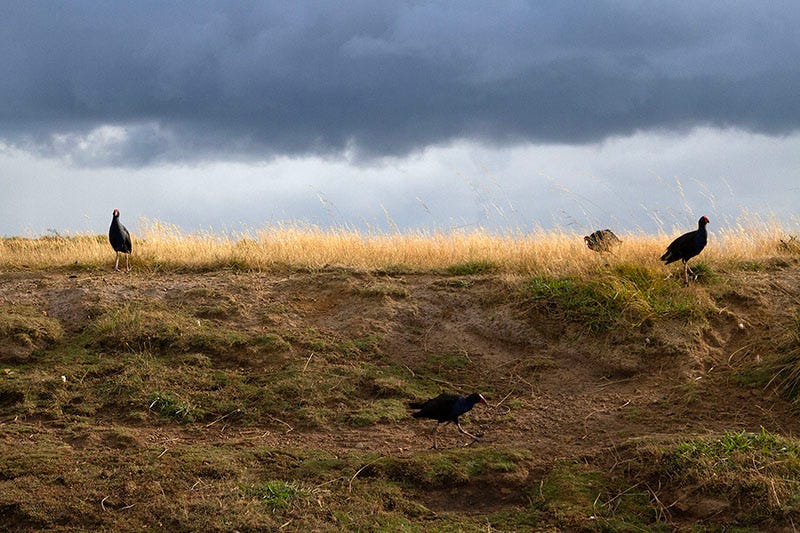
{"x":120,"y":239}
{"x":602,"y":240}
{"x":687,"y":246}
{"x":446,"y":408}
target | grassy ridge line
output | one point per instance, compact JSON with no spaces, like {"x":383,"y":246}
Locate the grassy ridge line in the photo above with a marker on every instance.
{"x":162,"y":247}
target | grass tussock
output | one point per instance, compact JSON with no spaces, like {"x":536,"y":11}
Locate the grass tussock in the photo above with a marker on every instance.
{"x":782,"y":370}
{"x":25,"y":330}
{"x":625,"y":294}
{"x":27,"y":324}
{"x":754,"y":476}
{"x":159,"y":247}
{"x":736,"y":479}
{"x":151,"y":327}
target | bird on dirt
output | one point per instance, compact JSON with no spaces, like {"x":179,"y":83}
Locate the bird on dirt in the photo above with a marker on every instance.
{"x":120,"y":240}
{"x":446,"y":408}
{"x":687,"y":246}
{"x":602,"y":240}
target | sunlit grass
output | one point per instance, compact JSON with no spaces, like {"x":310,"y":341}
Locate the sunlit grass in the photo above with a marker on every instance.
{"x":164,"y":247}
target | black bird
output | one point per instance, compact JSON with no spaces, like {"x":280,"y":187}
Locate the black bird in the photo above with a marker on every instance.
{"x":120,"y":240}
{"x":446,"y":408}
{"x":602,"y":240}
{"x":687,"y":246}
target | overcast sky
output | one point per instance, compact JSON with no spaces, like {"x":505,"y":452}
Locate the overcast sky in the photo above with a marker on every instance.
{"x":431,"y":115}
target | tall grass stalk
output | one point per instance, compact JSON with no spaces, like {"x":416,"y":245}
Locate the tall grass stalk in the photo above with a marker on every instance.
{"x":159,"y":246}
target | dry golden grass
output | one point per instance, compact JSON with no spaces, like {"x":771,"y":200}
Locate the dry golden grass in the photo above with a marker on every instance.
{"x":164,"y":247}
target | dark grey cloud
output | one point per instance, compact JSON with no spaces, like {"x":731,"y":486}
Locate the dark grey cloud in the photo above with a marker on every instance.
{"x":136,"y":83}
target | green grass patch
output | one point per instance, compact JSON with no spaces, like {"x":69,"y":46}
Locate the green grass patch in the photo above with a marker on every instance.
{"x":169,"y":405}
{"x":192,"y":377}
{"x":330,"y":392}
{"x":755,"y":476}
{"x":577,"y":300}
{"x":137,"y":327}
{"x":629,"y":295}
{"x":704,"y":273}
{"x":275,"y":494}
{"x":447,"y":362}
{"x":574,"y":492}
{"x":570,"y":491}
{"x":271,"y":342}
{"x":449,"y":467}
{"x":332,"y":343}
{"x":750,"y":266}
{"x":765,"y":448}
{"x":157,"y":328}
{"x":24,"y":329}
{"x":378,"y":412}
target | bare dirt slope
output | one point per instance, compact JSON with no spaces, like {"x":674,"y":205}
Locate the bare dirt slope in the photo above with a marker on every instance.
{"x":557,"y":389}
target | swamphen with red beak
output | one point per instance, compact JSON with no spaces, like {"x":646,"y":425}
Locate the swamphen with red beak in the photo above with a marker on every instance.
{"x":687,"y":246}
{"x":120,"y":240}
{"x":446,"y":408}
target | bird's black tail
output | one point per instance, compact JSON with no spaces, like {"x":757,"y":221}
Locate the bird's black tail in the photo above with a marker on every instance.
{"x":416,"y":405}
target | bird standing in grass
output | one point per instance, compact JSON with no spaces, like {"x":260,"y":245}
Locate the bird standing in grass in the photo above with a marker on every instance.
{"x":687,"y":246}
{"x":602,"y":240}
{"x":120,"y":240}
{"x":446,"y":408}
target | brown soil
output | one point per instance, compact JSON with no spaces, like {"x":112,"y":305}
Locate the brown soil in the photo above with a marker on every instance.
{"x":574,"y":393}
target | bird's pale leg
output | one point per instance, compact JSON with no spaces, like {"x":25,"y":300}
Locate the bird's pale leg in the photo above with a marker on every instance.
{"x":685,"y":274}
{"x":116,"y":265}
{"x":435,"y":432}
{"x":462,"y":430}
{"x":127,"y":264}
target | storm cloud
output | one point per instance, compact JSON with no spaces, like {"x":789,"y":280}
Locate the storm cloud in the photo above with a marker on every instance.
{"x":143,"y":83}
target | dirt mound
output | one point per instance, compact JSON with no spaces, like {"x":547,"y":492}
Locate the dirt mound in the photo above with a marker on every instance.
{"x":189,"y":398}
